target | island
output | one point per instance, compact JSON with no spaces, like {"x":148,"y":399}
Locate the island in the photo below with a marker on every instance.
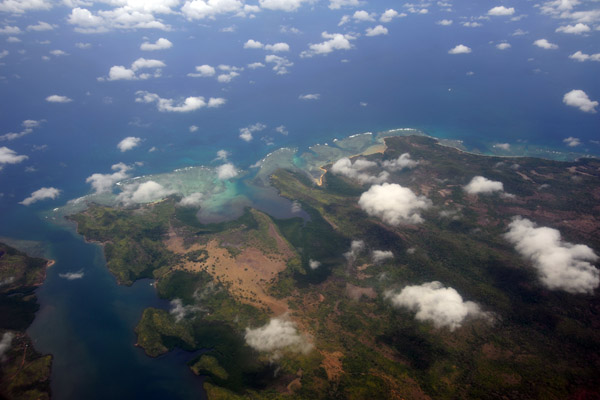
{"x":24,"y":372}
{"x":415,"y":271}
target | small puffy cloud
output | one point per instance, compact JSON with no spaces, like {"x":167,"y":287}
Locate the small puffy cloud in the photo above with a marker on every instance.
{"x":129,"y":143}
{"x":482,"y":185}
{"x":577,"y":29}
{"x":334,"y":41}
{"x":355,"y":171}
{"x":103,"y":183}
{"x":160,"y":44}
{"x":10,"y":30}
{"x":4,"y":53}
{"x":503,"y":146}
{"x":41,"y":194}
{"x":277,"y":335}
{"x":471,"y":24}
{"x":8,"y":156}
{"x":28,"y":126}
{"x":228,"y":77}
{"x":145,"y":192}
{"x":460,"y":49}
{"x":169,"y":105}
{"x":572,"y":141}
{"x":41,"y":26}
{"x":246,"y":132}
{"x":119,"y":72}
{"x":192,"y":200}
{"x":376,"y":31}
{"x":362,"y":15}
{"x":203,"y":71}
{"x":14,"y":39}
{"x":560,"y":265}
{"x":282,"y":129}
{"x":222,"y":155}
{"x":81,"y":45}
{"x":433,"y":302}
{"x":581,"y":57}
{"x":389,"y":14}
{"x":310,"y":96}
{"x":226,"y":171}
{"x":578,"y":98}
{"x":381,"y":255}
{"x":314,"y":264}
{"x":58,"y":53}
{"x":282,"y":5}
{"x":444,"y":22}
{"x":22,"y":6}
{"x":519,"y":32}
{"x":503,"y":46}
{"x":134,"y":15}
{"x":193,"y":128}
{"x":179,"y":311}
{"x":501,"y":11}
{"x":253,"y":44}
{"x":337,"y":4}
{"x":545,"y":44}
{"x":402,"y":162}
{"x":5,"y":343}
{"x":71,"y":276}
{"x":256,"y":65}
{"x":280,"y":64}
{"x":55,"y":98}
{"x":356,"y":247}
{"x":393,"y":203}
{"x":277,"y":47}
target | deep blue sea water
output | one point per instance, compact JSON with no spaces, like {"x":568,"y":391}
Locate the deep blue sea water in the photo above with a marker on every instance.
{"x":406,"y":78}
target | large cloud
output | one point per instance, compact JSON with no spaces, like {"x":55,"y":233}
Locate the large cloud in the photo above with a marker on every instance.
{"x":103,"y":183}
{"x":482,"y":185}
{"x":402,"y":162}
{"x":433,"y":302}
{"x":41,"y":194}
{"x":393,"y":203}
{"x":278,"y":334}
{"x":168,"y":105}
{"x":129,"y":143}
{"x":356,"y":170}
{"x":578,"y":98}
{"x":560,"y":265}
{"x":160,"y":44}
{"x":334,"y":41}
{"x":8,"y":156}
{"x":145,"y":192}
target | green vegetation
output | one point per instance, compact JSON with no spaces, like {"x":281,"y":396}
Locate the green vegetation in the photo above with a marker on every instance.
{"x":24,"y":373}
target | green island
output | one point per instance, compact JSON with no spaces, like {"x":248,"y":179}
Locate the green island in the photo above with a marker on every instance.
{"x":24,"y":373}
{"x":305,"y":307}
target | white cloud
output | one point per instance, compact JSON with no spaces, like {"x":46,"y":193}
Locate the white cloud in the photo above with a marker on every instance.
{"x":55,"y":98}
{"x":160,"y":44}
{"x":460,"y":49}
{"x":310,"y":96}
{"x":576,"y":29}
{"x":545,"y":44}
{"x":581,"y":57}
{"x":572,"y":141}
{"x":129,"y":143}
{"x":356,"y":247}
{"x":168,"y":105}
{"x":444,"y":22}
{"x":203,"y":71}
{"x":192,"y":200}
{"x":503,"y":46}
{"x":226,"y":171}
{"x":41,"y":26}
{"x":282,"y":129}
{"x":314,"y":264}
{"x":119,"y":72}
{"x":28,"y":126}
{"x":381,"y":255}
{"x":277,"y":47}
{"x":4,"y":53}
{"x":10,"y":30}
{"x":560,"y":265}
{"x":356,"y":170}
{"x":193,"y":128}
{"x":282,"y":5}
{"x":5,"y":343}
{"x":246,"y":132}
{"x":402,"y":162}
{"x":133,"y":14}
{"x":433,"y":302}
{"x":71,"y":276}
{"x":41,"y":194}
{"x":334,"y":41}
{"x":519,"y":32}
{"x":8,"y":156}
{"x":222,"y":155}
{"x":13,"y":39}
{"x":578,"y":98}
{"x":376,"y":31}
{"x":501,"y":11}
{"x":278,"y":334}
{"x":145,"y":192}
{"x":22,"y":6}
{"x":393,"y":203}
{"x":389,"y":14}
{"x":228,"y":77}
{"x":482,"y":185}
{"x":471,"y":24}
{"x":280,"y":64}
{"x":503,"y":146}
{"x":253,"y":44}
{"x":337,"y":4}
{"x":81,"y":45}
{"x":179,"y":311}
{"x":362,"y":15}
{"x":103,"y":183}
{"x":256,"y":65}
